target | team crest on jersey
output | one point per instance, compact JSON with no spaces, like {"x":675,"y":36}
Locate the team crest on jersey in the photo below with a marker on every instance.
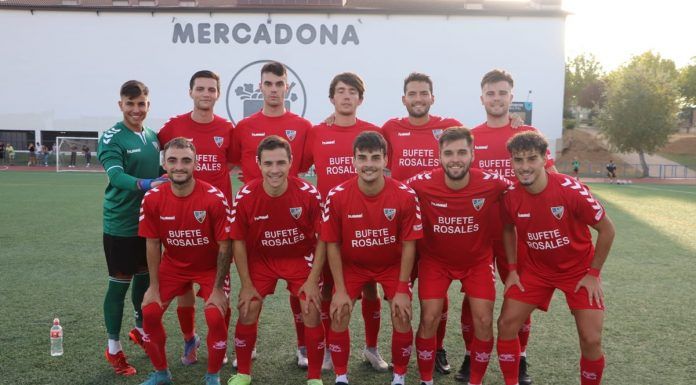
{"x":557,"y":211}
{"x":437,"y":133}
{"x":478,"y":203}
{"x":219,"y":140}
{"x":389,"y":213}
{"x":290,"y":134}
{"x":156,"y":145}
{"x":199,"y":215}
{"x":296,"y":212}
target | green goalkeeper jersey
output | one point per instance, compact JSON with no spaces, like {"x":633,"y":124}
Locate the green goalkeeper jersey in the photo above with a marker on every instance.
{"x":126,"y":156}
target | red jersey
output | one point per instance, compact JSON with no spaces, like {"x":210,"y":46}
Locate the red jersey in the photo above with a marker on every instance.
{"x":251,"y":130}
{"x":277,"y":227}
{"x":213,"y":143}
{"x":554,"y":225}
{"x":457,"y":223}
{"x":188,"y":227}
{"x":330,"y":150}
{"x":413,"y":149}
{"x":370,"y":229}
{"x":490,"y":148}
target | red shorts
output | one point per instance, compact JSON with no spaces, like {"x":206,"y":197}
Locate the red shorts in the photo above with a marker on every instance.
{"x":434,"y":278}
{"x":539,"y":291}
{"x":501,"y":258}
{"x":265,"y":273}
{"x":174,"y":282}
{"x":355,"y":278}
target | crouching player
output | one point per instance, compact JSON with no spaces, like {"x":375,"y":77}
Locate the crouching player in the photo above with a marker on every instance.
{"x":457,"y":204}
{"x":552,"y":213}
{"x":370,"y":226}
{"x":274,"y":224}
{"x":188,"y":219}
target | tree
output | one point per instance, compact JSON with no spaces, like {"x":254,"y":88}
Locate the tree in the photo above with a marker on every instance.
{"x":583,"y":84}
{"x":687,"y":88}
{"x":641,"y":106}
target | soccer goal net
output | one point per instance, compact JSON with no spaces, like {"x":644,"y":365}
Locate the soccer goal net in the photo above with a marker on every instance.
{"x":77,"y":154}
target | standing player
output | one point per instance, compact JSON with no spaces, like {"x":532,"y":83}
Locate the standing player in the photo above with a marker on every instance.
{"x":413,"y":147}
{"x":273,"y":119}
{"x":274,"y":225}
{"x":188,"y":220}
{"x":129,"y":152}
{"x":370,"y":226}
{"x":611,"y":171}
{"x":457,"y":204}
{"x":330,"y":149}
{"x":551,"y":213}
{"x":491,"y":154}
{"x":212,"y":136}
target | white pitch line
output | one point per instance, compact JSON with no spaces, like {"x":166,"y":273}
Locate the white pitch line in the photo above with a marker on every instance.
{"x":662,"y":189}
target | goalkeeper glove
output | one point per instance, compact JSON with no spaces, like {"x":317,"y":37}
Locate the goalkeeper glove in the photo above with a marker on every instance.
{"x":146,"y":184}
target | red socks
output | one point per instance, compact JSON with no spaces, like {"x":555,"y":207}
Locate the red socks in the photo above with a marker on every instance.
{"x":591,"y":371}
{"x":467,"y":323}
{"x":402,"y":344}
{"x":217,"y":338}
{"x":297,"y":316}
{"x":339,"y":346}
{"x":480,"y":355}
{"x":509,"y":360}
{"x":314,"y":337}
{"x":371,"y":313}
{"x":187,"y":321}
{"x":523,"y":334}
{"x":244,"y":342}
{"x":425,"y":348}
{"x":154,"y":338}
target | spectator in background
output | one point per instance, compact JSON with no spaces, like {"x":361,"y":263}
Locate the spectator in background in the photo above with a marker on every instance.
{"x":576,"y":167}
{"x":73,"y":156}
{"x":44,"y":155}
{"x":88,"y":155}
{"x":32,"y":155}
{"x":2,"y":152}
{"x":10,"y":153}
{"x":611,"y":171}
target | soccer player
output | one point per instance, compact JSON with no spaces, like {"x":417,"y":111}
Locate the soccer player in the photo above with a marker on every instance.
{"x":551,"y":213}
{"x":186,"y":224}
{"x":370,"y":225}
{"x":129,"y":152}
{"x":413,"y":147}
{"x":491,"y":154}
{"x":212,"y":136}
{"x":611,"y":171}
{"x":274,"y":225}
{"x":330,"y":149}
{"x":457,"y":204}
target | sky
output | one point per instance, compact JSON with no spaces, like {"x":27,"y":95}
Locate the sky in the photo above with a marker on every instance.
{"x":616,"y":30}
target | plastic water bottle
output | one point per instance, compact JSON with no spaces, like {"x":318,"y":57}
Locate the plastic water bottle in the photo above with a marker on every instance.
{"x":56,"y":338}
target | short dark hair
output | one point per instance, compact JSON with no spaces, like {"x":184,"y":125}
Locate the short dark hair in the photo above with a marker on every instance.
{"x":350,"y":79}
{"x":180,"y":143}
{"x":370,"y":141}
{"x":418,"y":77}
{"x":274,"y":67}
{"x":528,"y":141}
{"x":495,"y":76}
{"x":455,"y":133}
{"x":133,"y":89}
{"x":207,"y":75}
{"x":273,"y":142}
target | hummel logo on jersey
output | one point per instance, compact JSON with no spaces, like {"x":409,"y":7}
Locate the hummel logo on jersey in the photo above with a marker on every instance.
{"x":133,"y":151}
{"x":437,"y":133}
{"x":355,"y":216}
{"x":524,"y":215}
{"x":171,"y":218}
{"x":404,"y":134}
{"x":259,"y":134}
{"x":478,"y":203}
{"x":482,"y":357}
{"x":557,"y":211}
{"x":219,"y":140}
{"x":506,"y":357}
{"x":261,"y":217}
{"x":199,"y":215}
{"x":436,"y":204}
{"x":481,"y":147}
{"x":389,"y":213}
{"x":296,"y":212}
{"x":290,"y":134}
{"x":220,"y":345}
{"x":326,"y":142}
{"x":417,"y":227}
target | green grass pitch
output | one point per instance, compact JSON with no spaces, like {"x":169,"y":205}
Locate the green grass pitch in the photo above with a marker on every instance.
{"x":52,"y":264}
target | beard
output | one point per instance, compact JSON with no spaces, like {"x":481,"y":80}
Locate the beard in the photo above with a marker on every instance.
{"x":461,"y":176}
{"x":414,"y":114}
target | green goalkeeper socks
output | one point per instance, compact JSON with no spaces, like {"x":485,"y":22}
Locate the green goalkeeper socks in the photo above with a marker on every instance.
{"x":141,"y":282}
{"x":113,"y":306}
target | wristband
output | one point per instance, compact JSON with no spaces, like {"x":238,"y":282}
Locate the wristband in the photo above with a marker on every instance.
{"x":512,"y":267}
{"x":593,"y":272}
{"x":403,"y":287}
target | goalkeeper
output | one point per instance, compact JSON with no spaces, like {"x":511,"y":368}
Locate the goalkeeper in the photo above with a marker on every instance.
{"x":129,"y":153}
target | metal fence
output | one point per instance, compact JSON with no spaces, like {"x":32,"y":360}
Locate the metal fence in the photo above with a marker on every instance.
{"x":598,"y":169}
